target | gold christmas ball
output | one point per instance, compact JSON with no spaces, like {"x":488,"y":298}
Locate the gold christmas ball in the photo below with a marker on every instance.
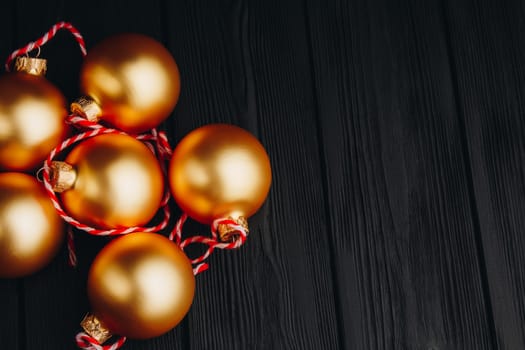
{"x":32,"y":113}
{"x":219,"y":170}
{"x":110,"y":181}
{"x":31,"y":232}
{"x":133,"y":79}
{"x":140,"y":285}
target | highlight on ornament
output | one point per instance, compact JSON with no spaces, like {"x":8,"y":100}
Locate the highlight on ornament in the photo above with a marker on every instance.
{"x":32,"y":116}
{"x":109,"y":181}
{"x":140,"y":286}
{"x":31,"y":232}
{"x":220,"y":171}
{"x":131,"y":81}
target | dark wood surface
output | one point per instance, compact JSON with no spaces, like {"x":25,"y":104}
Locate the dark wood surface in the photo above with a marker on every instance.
{"x":395,"y":129}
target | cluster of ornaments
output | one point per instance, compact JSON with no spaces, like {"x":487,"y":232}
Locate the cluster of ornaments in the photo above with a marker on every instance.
{"x":140,"y":285}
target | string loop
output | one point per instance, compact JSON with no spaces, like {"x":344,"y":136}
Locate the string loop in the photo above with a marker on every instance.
{"x":44,"y":39}
{"x":212,"y":242}
{"x":86,"y":342}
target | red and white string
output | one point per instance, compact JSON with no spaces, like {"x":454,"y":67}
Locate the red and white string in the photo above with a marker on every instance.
{"x":212,"y":242}
{"x":163,"y":151}
{"x":44,"y":39}
{"x":87,"y":342}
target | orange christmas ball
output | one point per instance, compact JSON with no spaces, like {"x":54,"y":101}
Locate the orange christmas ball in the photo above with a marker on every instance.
{"x":110,"y":181}
{"x":133,"y":80}
{"x":140,"y":285}
{"x":31,"y":232}
{"x":32,"y":112}
{"x":219,"y":170}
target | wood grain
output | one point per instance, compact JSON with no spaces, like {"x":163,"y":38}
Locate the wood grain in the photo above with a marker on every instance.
{"x":402,"y":232}
{"x":11,"y":324}
{"x":487,"y":52}
{"x":395,"y":131}
{"x":239,"y":66}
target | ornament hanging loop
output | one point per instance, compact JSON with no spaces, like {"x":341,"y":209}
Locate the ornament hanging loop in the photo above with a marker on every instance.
{"x":234,"y":234}
{"x":44,"y":39}
{"x":231,"y":230}
{"x":87,"y":342}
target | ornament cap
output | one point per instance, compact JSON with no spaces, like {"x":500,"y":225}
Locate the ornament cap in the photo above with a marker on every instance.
{"x":63,"y":176}
{"x":31,"y":65}
{"x":95,"y":328}
{"x":87,"y":107}
{"x":228,"y":233}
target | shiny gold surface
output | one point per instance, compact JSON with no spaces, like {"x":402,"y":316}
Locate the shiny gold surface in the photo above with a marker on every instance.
{"x":32,"y":113}
{"x":227,"y":233}
{"x":134,"y":80}
{"x":31,"y":232}
{"x":119,"y":182}
{"x":86,"y":107}
{"x":141,"y":285}
{"x":63,"y":176}
{"x":31,"y":65}
{"x":92,"y":326}
{"x":219,"y":170}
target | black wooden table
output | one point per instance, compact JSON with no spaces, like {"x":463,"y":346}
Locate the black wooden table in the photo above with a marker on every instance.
{"x":396,"y":135}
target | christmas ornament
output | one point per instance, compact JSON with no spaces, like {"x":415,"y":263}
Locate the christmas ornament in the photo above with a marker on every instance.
{"x":109,"y":181}
{"x":220,"y":171}
{"x":140,"y":285}
{"x":31,"y":232}
{"x":32,"y":113}
{"x":131,"y":81}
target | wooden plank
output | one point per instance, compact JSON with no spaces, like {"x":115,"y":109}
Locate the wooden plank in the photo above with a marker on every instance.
{"x":401,"y":225}
{"x":10,"y":304}
{"x":246,"y":64}
{"x":11,"y":333}
{"x":488,"y":51}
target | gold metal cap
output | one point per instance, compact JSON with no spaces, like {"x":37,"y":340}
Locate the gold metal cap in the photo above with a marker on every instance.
{"x":229,"y":234}
{"x":31,"y":65}
{"x":87,"y":107}
{"x":92,"y":326}
{"x":63,"y":176}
